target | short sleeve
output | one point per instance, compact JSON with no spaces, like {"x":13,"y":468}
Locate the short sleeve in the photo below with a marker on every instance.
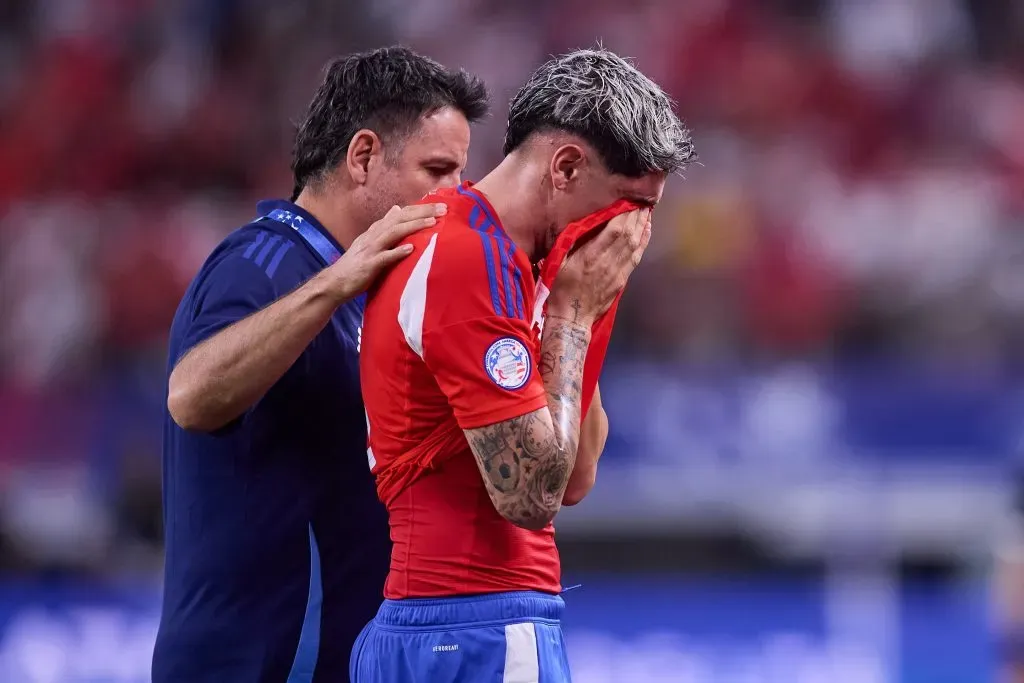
{"x":231,"y":286}
{"x":476,"y":340}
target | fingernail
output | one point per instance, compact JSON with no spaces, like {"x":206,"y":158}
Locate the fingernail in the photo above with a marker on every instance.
{"x":430,"y":220}
{"x":440,"y":209}
{"x":406,"y":248}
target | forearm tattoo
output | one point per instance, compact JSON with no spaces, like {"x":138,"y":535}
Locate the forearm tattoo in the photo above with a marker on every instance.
{"x":524,"y":468}
{"x":526,"y":461}
{"x":562,"y":357}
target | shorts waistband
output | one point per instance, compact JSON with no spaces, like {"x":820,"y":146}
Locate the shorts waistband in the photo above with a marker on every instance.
{"x":497,"y":607}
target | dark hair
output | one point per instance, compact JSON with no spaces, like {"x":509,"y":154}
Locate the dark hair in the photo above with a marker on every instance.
{"x":387,"y":90}
{"x":607,"y":101}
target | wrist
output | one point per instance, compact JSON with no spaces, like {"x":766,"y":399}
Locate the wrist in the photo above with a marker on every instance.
{"x":332,"y":286}
{"x":571,"y":312}
{"x":581,"y":329}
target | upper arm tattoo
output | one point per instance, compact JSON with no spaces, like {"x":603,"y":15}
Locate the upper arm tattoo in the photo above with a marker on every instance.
{"x":526,"y":461}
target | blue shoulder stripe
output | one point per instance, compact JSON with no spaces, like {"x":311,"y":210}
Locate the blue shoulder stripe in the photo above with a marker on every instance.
{"x":506,"y":266}
{"x":265,"y":251}
{"x":517,"y":281}
{"x":278,"y":256}
{"x":493,"y":280}
{"x":251,"y":249}
{"x":503,"y":275}
{"x":263,"y":245}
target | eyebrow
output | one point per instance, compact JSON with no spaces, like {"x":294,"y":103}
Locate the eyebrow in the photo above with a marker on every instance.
{"x":440,"y":161}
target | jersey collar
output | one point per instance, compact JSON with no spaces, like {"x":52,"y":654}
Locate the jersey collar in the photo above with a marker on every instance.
{"x":466,"y":189}
{"x":268,"y":206}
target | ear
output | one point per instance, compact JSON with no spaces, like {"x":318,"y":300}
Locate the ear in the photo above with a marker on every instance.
{"x":566,"y":164}
{"x":361,"y":149}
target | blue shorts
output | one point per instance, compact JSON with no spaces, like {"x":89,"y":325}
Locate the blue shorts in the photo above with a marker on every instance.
{"x":500,"y":638}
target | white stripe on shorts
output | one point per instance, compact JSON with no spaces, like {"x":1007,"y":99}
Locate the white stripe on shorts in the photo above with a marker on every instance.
{"x":521,"y":662}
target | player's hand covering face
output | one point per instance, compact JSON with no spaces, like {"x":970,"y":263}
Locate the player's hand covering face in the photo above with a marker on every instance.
{"x":595,"y":273}
{"x":583,"y":185}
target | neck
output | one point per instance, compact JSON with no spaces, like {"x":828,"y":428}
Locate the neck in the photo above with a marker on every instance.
{"x":513,"y":191}
{"x":333,"y":213}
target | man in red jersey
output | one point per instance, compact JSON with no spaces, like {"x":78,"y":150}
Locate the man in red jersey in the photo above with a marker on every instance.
{"x":474,"y":397}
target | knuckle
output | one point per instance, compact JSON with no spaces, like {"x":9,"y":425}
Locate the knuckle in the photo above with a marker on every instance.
{"x":403,"y":230}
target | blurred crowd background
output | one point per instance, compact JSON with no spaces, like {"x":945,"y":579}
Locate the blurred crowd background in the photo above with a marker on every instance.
{"x":815,"y":377}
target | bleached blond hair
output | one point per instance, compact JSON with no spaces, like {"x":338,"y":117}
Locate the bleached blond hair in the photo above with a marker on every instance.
{"x":607,"y":101}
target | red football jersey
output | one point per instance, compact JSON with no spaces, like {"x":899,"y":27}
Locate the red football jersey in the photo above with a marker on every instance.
{"x":451,"y":344}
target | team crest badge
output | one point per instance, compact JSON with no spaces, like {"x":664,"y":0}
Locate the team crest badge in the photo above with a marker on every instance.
{"x":508,"y":363}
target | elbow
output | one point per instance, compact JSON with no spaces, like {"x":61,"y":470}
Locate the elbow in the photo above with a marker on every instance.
{"x":183,"y":404}
{"x":182,"y":410}
{"x":579,"y":486}
{"x":533,"y":522}
{"x":532,"y":518}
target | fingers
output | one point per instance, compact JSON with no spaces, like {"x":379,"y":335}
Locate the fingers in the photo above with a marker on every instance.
{"x":397,"y":225}
{"x":636,"y":227}
{"x":390,"y":257}
{"x":399,"y":231}
{"x":645,"y":239}
{"x":610,"y":236}
{"x":618,"y":228}
{"x":628,"y":237}
{"x":417,"y":211}
{"x":624,"y":232}
{"x":398,"y":214}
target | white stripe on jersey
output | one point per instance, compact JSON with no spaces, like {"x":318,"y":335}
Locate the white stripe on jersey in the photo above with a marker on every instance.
{"x":413,"y":303}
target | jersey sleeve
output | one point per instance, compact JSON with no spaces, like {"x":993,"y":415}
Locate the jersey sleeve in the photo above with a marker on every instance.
{"x":233,"y":286}
{"x":477,"y":341}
